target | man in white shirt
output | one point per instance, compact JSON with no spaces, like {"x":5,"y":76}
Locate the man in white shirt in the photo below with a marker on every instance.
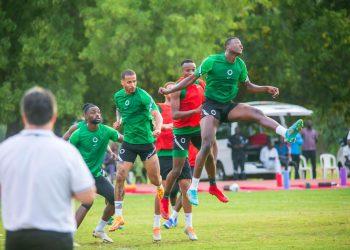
{"x":37,"y":191}
{"x":269,"y":157}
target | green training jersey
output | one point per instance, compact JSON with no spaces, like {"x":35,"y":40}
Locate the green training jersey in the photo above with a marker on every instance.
{"x":80,"y":124}
{"x":92,"y":145}
{"x":222,"y":77}
{"x":135,"y":110}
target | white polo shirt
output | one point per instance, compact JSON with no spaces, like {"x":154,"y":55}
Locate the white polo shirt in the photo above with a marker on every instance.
{"x":39,"y":173}
{"x":270,"y":159}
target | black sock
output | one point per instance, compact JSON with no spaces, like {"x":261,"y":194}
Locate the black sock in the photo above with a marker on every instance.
{"x":212,"y":182}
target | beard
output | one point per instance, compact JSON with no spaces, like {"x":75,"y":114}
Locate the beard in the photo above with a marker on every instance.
{"x":235,"y":51}
{"x":130,"y":90}
{"x":96,"y":121}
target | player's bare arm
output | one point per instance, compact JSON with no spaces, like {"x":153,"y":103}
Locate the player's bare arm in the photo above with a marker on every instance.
{"x":166,"y":126}
{"x":181,"y":85}
{"x":69,"y":132}
{"x":120,"y":138}
{"x":175,"y":107}
{"x":158,"y":121}
{"x":118,"y":123}
{"x":253,"y":88}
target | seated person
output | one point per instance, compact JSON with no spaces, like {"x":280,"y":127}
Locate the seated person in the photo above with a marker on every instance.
{"x":269,"y":157}
{"x":283,"y":152}
{"x":346,"y":152}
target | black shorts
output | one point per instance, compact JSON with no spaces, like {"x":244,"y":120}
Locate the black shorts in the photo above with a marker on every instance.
{"x":105,"y":189}
{"x":166,"y":165}
{"x":128,"y":152}
{"x":38,"y":239}
{"x":182,"y":143}
{"x":218,"y":110}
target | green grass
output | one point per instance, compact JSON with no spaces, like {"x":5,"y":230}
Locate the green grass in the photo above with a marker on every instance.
{"x":308,"y":219}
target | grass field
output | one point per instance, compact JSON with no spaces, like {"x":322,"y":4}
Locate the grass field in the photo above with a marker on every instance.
{"x":310,"y":219}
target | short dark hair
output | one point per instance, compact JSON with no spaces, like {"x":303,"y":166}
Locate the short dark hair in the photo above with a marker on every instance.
{"x":38,"y":105}
{"x":128,"y":72}
{"x":87,"y":106}
{"x":186,"y":61}
{"x":228,"y":40}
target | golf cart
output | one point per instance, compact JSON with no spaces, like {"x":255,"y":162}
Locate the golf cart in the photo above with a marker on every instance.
{"x":281,"y":112}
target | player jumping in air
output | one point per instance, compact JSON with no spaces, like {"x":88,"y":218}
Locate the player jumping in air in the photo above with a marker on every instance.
{"x":223,"y":74}
{"x":186,"y":107}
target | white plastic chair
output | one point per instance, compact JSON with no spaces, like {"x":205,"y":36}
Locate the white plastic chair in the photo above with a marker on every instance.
{"x":303,"y":168}
{"x":328,"y":162}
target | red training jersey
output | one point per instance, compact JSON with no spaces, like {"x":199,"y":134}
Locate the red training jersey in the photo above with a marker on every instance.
{"x":192,"y":153}
{"x":190,"y":98}
{"x":165,"y":139}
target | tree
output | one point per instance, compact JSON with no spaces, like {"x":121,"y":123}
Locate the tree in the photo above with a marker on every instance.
{"x":303,"y":47}
{"x":42,"y":40}
{"x":152,"y":38}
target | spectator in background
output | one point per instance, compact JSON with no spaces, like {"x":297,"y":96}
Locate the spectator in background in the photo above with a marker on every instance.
{"x":36,"y":192}
{"x":237,"y":143}
{"x":283,"y":152}
{"x":295,"y":149}
{"x":269,"y":157}
{"x":310,"y":137}
{"x":110,"y":162}
{"x":346,"y":152}
{"x":258,"y":138}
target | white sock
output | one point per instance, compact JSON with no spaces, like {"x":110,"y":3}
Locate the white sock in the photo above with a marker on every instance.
{"x":188,"y":219}
{"x":174,"y":215}
{"x":194,"y":184}
{"x":101,"y":225}
{"x":281,"y":131}
{"x":118,"y":206}
{"x":156,"y":221}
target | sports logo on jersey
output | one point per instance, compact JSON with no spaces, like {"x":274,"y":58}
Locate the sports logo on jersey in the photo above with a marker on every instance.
{"x":94,"y":140}
{"x":122,"y":151}
{"x":230,"y":74}
{"x":213,"y":112}
{"x":183,"y":140}
{"x":127,"y":102}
